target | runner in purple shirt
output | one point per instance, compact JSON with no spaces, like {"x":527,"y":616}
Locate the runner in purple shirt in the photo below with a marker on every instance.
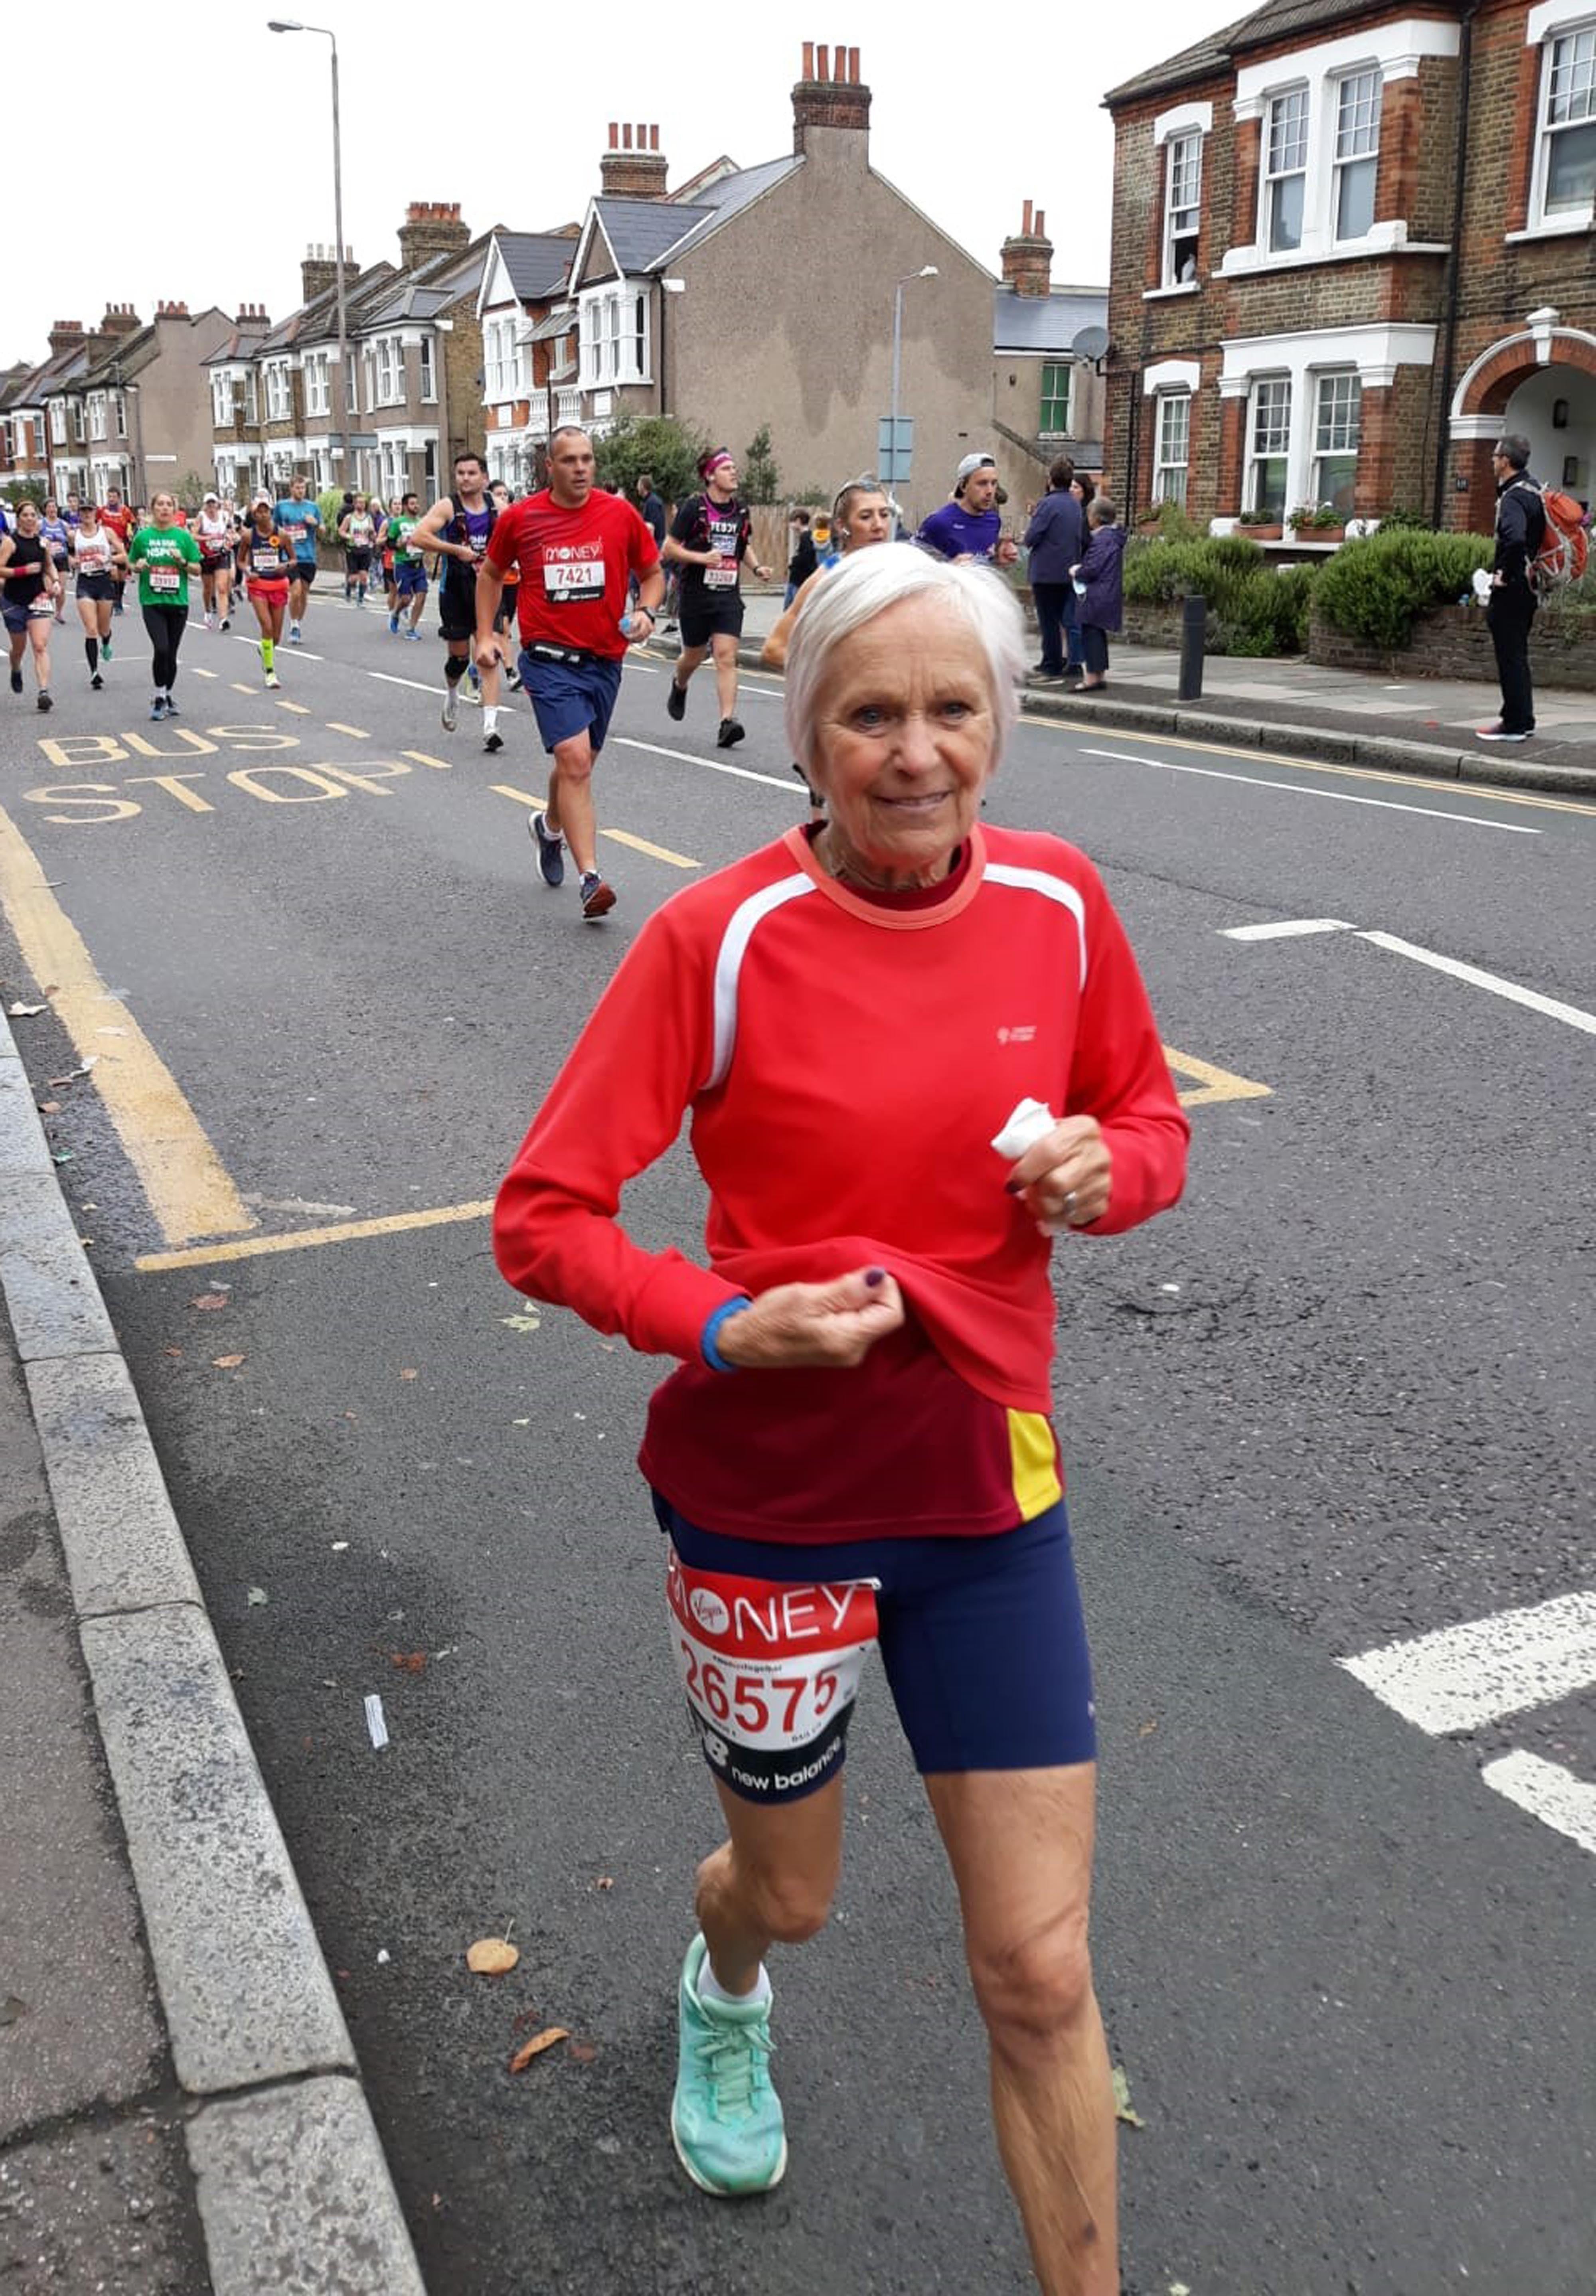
{"x":970,"y":525}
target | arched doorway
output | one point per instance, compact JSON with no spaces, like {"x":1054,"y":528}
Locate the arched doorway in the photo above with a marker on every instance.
{"x":1541,"y":381}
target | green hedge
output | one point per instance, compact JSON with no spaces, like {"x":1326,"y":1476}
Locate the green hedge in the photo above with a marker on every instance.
{"x":1253,"y":608}
{"x":1372,"y":589}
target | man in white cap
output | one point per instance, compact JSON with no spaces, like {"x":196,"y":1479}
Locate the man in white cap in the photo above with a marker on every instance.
{"x":970,"y":526}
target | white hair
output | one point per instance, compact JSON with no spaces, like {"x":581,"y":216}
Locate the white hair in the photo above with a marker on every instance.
{"x":866,"y":584}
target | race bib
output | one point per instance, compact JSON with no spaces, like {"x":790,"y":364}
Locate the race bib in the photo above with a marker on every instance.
{"x":567,"y":582}
{"x":723,"y":576}
{"x":771,"y":1672}
{"x":93,"y":556}
{"x":43,"y":608}
{"x":165,"y":578}
{"x":266,"y":562}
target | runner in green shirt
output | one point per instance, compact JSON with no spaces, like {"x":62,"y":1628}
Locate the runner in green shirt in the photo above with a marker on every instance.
{"x":409,"y":593}
{"x":162,"y":554}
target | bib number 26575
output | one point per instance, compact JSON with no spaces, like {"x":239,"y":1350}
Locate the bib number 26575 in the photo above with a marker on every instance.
{"x":770,"y":1671}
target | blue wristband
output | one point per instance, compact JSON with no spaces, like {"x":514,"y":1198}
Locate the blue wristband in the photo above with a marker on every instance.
{"x":706,"y":1340}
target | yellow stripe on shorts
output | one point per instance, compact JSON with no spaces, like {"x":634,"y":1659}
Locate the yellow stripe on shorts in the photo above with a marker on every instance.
{"x":1034,"y":1459}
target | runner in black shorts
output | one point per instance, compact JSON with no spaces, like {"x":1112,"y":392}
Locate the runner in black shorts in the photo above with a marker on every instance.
{"x":458,"y":529}
{"x":357,"y":532}
{"x":709,"y":543}
{"x":96,"y":554}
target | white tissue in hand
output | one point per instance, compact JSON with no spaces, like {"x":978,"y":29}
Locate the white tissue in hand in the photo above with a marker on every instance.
{"x":1028,"y":1123}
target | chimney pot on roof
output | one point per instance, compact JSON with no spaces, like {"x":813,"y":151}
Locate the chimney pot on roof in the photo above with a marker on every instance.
{"x":828,"y":97}
{"x":1026,"y":259}
{"x":633,"y":169}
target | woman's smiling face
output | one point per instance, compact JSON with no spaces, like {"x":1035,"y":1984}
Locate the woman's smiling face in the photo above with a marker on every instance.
{"x":905,"y":738}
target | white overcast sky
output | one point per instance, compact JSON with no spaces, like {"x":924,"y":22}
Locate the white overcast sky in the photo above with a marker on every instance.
{"x":218,"y":172}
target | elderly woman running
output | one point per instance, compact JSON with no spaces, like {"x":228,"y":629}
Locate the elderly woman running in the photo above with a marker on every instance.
{"x":856,"y":1446}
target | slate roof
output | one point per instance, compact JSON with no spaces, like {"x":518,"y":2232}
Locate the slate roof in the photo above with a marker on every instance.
{"x":643,"y":233}
{"x":537,"y":262}
{"x":1276,"y":19}
{"x":1046,"y":323}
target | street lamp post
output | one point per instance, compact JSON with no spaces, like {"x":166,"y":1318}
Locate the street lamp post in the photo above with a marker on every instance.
{"x":276,"y":24}
{"x":926,"y":271}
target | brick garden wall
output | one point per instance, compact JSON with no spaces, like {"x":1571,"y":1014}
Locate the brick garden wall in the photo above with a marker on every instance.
{"x":1453,"y":642}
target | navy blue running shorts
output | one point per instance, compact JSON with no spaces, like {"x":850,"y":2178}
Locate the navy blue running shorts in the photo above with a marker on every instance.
{"x":983,"y":1640}
{"x":572,"y":698}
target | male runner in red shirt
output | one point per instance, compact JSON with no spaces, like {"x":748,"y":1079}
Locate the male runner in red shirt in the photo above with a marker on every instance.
{"x":577,"y":549}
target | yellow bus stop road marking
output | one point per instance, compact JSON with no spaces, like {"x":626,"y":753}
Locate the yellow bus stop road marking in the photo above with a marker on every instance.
{"x":189,"y":1192}
{"x":153,"y":1263}
{"x":355,"y":732}
{"x":237,"y":688}
{"x":420,"y":757}
{"x":298,"y":707}
{"x":621,"y":836}
{"x":1212,"y":1084}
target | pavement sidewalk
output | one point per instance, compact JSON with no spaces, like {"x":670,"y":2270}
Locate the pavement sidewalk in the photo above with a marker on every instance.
{"x":1418,"y":725}
{"x":180,"y":2105}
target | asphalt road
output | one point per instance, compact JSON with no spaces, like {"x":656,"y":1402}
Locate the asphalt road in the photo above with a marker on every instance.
{"x":1341,"y":1397}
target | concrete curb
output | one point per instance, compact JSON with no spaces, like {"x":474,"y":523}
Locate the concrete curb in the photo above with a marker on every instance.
{"x":294,"y":2193}
{"x":1320,"y":745}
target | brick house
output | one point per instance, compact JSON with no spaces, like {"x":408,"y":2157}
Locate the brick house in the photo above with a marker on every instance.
{"x":529,"y":333}
{"x":1047,"y":386}
{"x":1353,"y":243}
{"x":24,"y":459}
{"x":128,"y":405}
{"x":412,"y":347}
{"x":722,"y":301}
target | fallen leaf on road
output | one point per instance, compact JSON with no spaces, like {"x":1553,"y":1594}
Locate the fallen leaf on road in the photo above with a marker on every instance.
{"x":111,"y":1032}
{"x":1123,"y":2109}
{"x":177,"y":1352}
{"x":412,"y":1661}
{"x":209,"y":1299}
{"x":492,"y":1957}
{"x":535,"y":2047}
{"x":523,"y":1323}
{"x":11,"y":2009}
{"x":581,"y":2053}
{"x":408,"y":1374}
{"x":226,"y":1363}
{"x":1147,"y":1729}
{"x":257,"y":1595}
{"x":49,"y":1107}
{"x":604,"y":1881}
{"x":21,"y":1012}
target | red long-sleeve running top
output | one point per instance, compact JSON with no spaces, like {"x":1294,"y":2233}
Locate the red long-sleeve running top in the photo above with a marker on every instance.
{"x":846,"y":1065}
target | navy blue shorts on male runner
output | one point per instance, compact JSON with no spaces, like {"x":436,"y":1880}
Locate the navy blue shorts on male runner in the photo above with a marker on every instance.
{"x":983,"y":1639}
{"x":572,"y":698}
{"x":410,"y":578}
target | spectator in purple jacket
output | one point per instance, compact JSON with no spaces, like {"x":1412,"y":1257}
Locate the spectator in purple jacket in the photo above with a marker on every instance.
{"x":1100,"y":591}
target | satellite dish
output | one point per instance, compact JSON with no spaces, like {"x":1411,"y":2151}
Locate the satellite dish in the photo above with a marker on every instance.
{"x":1090,"y":343}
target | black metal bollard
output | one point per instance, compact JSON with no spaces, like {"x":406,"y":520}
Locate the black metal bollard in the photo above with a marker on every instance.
{"x":1194,"y":625}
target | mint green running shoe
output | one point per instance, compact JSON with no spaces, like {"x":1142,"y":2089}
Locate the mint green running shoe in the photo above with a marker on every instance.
{"x":726,"y":2120}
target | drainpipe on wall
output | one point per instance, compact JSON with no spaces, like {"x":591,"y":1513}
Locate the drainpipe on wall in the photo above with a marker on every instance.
{"x":1454,"y":268}
{"x":1133,"y":440}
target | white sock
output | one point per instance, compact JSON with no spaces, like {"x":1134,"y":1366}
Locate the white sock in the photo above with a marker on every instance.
{"x":490,"y":721}
{"x":709,"y":1988}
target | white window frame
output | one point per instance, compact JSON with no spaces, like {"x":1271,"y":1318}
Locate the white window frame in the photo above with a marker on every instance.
{"x":351,"y":384}
{"x":279,"y":393}
{"x":252,"y":397}
{"x":1188,"y":142}
{"x":80,"y":427}
{"x":58,"y":422}
{"x":1300,"y":97}
{"x":316,"y":398}
{"x":641,"y":335}
{"x":1559,"y":37}
{"x":119,"y":413}
{"x":1170,"y":468}
{"x":96,"y":414}
{"x":1356,"y":144}
{"x":221,"y":400}
{"x":1271,"y":385}
{"x":391,"y":371}
{"x":1348,"y":434}
{"x":429,"y":370}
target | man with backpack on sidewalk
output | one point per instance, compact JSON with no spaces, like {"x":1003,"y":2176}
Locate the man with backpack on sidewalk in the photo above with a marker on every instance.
{"x":1539,"y":544}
